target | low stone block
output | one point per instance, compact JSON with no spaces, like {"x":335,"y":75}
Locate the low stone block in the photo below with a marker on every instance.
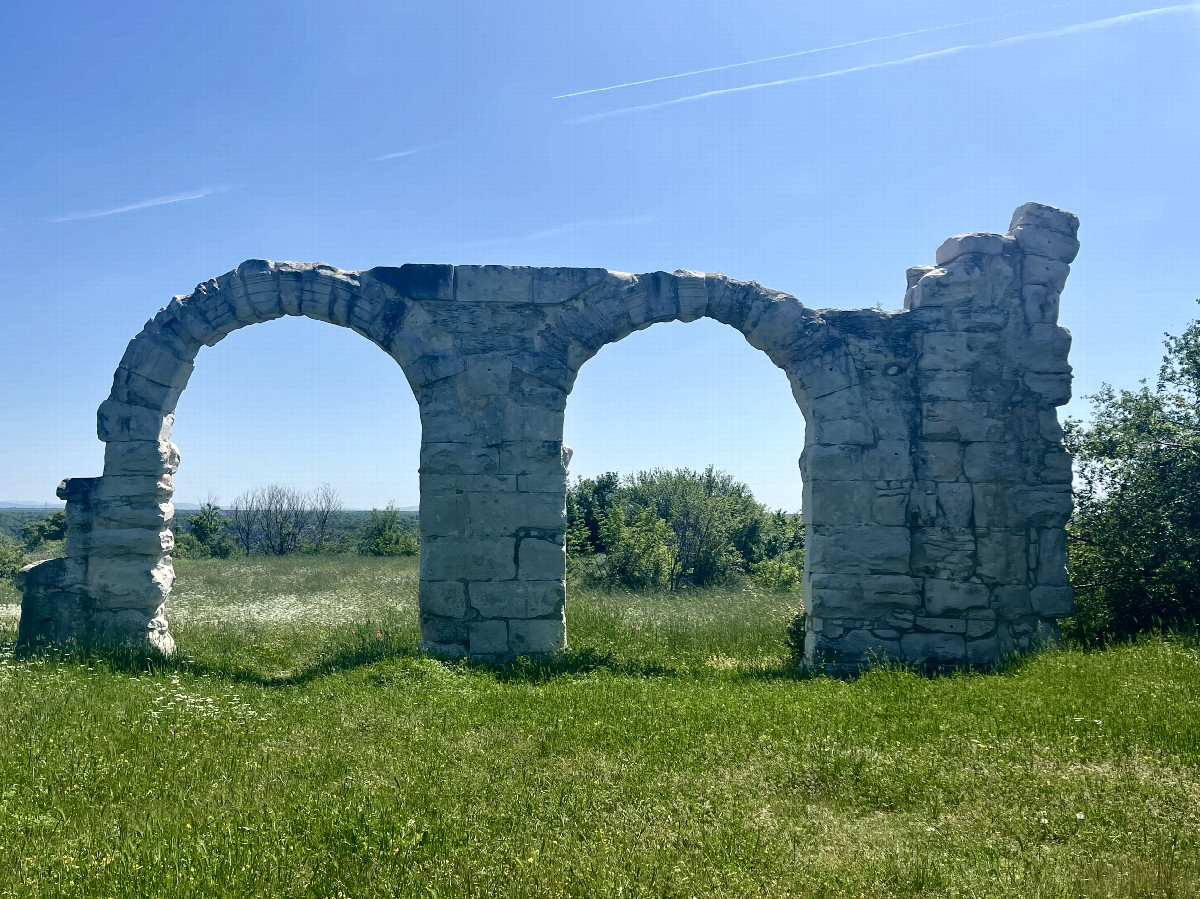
{"x":942,"y":597}
{"x":151,"y":457}
{"x":859,"y":550}
{"x":941,"y":625}
{"x":446,"y":599}
{"x":537,"y":636}
{"x":472,"y":558}
{"x":488,"y":638}
{"x":1052,"y":602}
{"x":968,"y":244}
{"x":945,"y":649}
{"x":541,"y":560}
{"x":493,"y":284}
{"x":119,"y":421}
{"x":518,"y":599}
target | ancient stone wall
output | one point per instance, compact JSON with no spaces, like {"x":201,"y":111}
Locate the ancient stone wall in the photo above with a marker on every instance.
{"x":936,"y":487}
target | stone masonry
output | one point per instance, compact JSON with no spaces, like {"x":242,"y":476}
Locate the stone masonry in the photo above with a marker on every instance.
{"x":936,"y":487}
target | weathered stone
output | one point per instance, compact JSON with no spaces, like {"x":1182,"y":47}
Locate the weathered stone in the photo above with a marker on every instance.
{"x":933,"y":449}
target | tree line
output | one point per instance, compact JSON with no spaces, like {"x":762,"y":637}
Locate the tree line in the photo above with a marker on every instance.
{"x":671,"y":530}
{"x":277,"y":521}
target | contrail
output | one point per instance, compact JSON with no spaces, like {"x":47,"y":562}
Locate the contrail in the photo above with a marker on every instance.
{"x":145,"y":204}
{"x":398,"y":155}
{"x":567,"y":228}
{"x":753,"y":62}
{"x":1057,"y":32}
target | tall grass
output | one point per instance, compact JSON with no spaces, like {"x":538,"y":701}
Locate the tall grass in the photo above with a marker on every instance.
{"x":302,"y":747}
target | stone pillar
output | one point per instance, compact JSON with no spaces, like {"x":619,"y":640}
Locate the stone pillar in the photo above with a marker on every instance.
{"x":493,"y":514}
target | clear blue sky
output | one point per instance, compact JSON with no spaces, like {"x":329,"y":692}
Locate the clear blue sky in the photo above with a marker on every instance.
{"x":373,"y":133}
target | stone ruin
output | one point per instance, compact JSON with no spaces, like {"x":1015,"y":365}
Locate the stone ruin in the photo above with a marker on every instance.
{"x":936,"y":486}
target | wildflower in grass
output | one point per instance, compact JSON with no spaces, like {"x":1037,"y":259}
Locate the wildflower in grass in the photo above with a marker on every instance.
{"x":1079,"y":815}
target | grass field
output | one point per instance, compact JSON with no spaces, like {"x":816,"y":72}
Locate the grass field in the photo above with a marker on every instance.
{"x":301,"y":747}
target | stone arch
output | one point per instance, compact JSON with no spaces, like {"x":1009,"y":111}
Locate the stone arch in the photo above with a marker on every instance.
{"x":117,"y":572}
{"x":855,"y":479}
{"x":936,"y":484}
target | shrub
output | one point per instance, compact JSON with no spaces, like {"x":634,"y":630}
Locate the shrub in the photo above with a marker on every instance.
{"x":52,"y":527}
{"x":12,"y":559}
{"x":782,"y":574}
{"x":385,"y":535}
{"x":797,"y":630}
{"x":1134,"y":539}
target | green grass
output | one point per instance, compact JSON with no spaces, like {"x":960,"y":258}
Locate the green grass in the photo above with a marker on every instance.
{"x":301,"y":747}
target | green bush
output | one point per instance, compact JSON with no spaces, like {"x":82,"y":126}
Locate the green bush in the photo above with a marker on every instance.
{"x":638,"y":556}
{"x":1134,"y":539}
{"x":12,"y":559}
{"x":385,"y":535}
{"x":797,"y":631}
{"x":52,"y":527}
{"x":782,"y":574}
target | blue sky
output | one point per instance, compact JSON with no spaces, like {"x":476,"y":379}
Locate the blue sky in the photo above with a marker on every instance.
{"x":151,"y":146}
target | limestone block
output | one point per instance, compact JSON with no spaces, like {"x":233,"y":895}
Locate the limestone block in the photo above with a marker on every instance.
{"x":552,"y":481}
{"x":119,"y":421}
{"x":946,"y":385}
{"x":940,"y":460}
{"x":437,"y":484}
{"x":953,"y":420}
{"x":840,"y":595}
{"x":1056,"y":467}
{"x":859,"y":647}
{"x":557,"y":285}
{"x":1052,"y":558}
{"x":157,"y":363}
{"x":780,"y":325}
{"x":446,"y":599}
{"x":1044,"y":242}
{"x":941,"y":625}
{"x":944,"y":597}
{"x":1047,"y":217}
{"x":417,"y":282}
{"x":980,"y":623}
{"x":121,"y":542}
{"x":493,"y":284}
{"x":541,"y":560}
{"x":969,"y":244}
{"x":1041,"y":303}
{"x":1012,"y":601}
{"x":445,"y":514}
{"x":1052,"y":602}
{"x":693,"y":295}
{"x":130,"y":584}
{"x":1001,"y":556}
{"x":127,"y":488}
{"x":915,"y":273}
{"x":955,"y":502}
{"x":122,"y":513}
{"x":1043,"y":505}
{"x":945,"y":553}
{"x":131,"y":389}
{"x":845,"y":431}
{"x":937,"y":648}
{"x":432,"y":367}
{"x":859,"y":550}
{"x":141,"y":457}
{"x":838,"y":462}
{"x":949,"y":285}
{"x":991,"y":461}
{"x":955,"y":351}
{"x":518,"y":599}
{"x":537,"y":636}
{"x":473,"y":558}
{"x":1050,"y":273}
{"x":984,"y":651}
{"x":443,"y":632}
{"x":459,"y":458}
{"x":890,"y":459}
{"x":829,"y":502}
{"x":1053,"y":388}
{"x":58,"y":574}
{"x":488,"y":638}
{"x":889,"y":507}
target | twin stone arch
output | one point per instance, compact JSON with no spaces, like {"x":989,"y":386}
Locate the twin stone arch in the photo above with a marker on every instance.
{"x":913,"y":420}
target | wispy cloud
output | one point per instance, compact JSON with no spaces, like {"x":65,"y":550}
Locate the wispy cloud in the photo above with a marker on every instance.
{"x":1056,"y":32}
{"x":561,"y":230}
{"x":401,"y":154}
{"x":133,"y":207}
{"x":754,"y":62}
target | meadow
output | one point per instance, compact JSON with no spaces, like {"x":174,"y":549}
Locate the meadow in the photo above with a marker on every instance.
{"x":301,"y":746}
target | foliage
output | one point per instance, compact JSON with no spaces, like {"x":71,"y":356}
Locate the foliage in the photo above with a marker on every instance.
{"x":12,"y":559}
{"x":715,"y":531}
{"x":1135,"y":535}
{"x":797,"y":633}
{"x":206,"y":535}
{"x":385,"y":534}
{"x":52,"y":527}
